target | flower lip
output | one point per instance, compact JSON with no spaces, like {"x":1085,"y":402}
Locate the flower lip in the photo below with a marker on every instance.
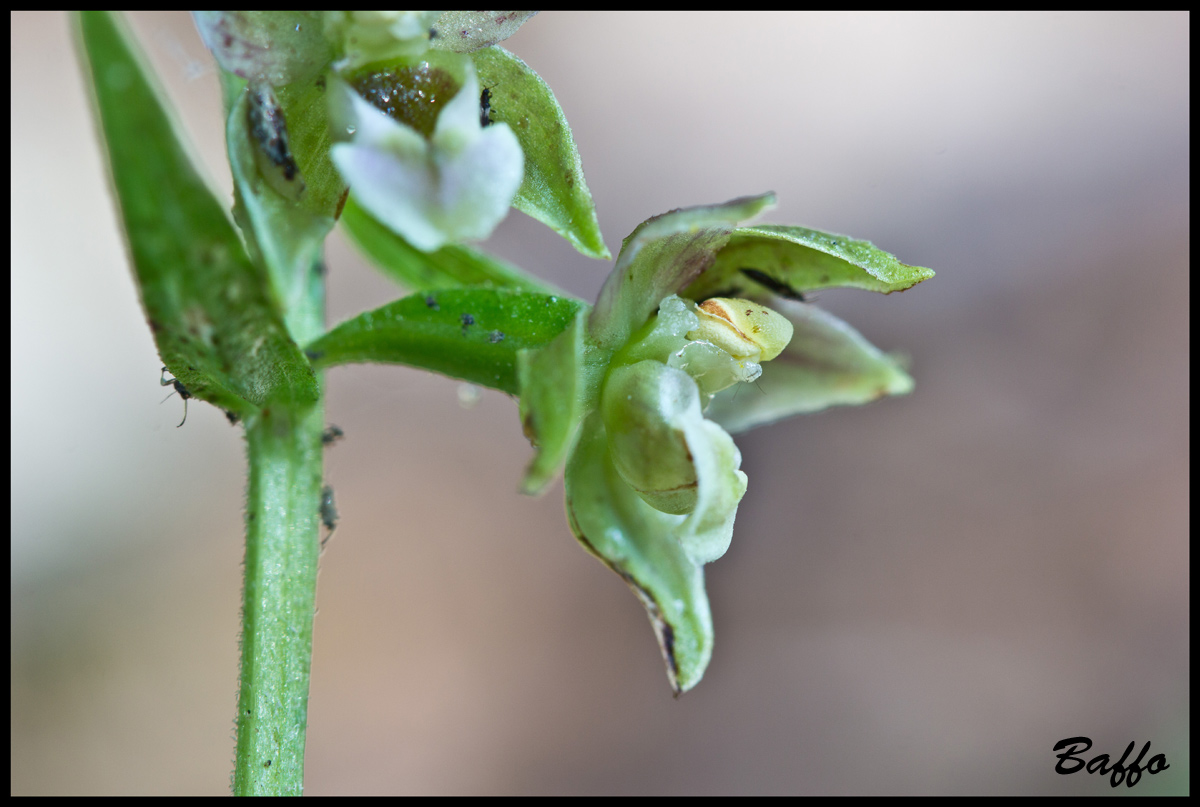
{"x":410,"y":94}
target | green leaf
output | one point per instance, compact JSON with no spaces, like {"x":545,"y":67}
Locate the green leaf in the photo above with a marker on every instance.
{"x":206,"y":302}
{"x":472,"y":334}
{"x":287,"y":191}
{"x":663,"y":255}
{"x":637,"y":542}
{"x":827,"y":363}
{"x":555,"y":389}
{"x":451,"y":266}
{"x":797,"y":259}
{"x":554,"y":191}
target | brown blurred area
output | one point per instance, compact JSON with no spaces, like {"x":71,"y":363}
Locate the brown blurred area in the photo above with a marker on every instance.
{"x":922,"y":596}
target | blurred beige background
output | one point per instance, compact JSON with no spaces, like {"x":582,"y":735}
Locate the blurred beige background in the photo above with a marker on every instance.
{"x":922,"y":596}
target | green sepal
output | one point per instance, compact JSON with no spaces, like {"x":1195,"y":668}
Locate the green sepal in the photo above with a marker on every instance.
{"x":470,"y":334}
{"x":466,"y":31}
{"x":661,"y":256}
{"x":451,"y":266}
{"x":639,"y":544}
{"x":306,"y":108}
{"x":231,"y":92}
{"x":278,"y":47}
{"x":286,"y":197}
{"x":827,"y":363}
{"x":556,"y":388}
{"x":213,"y":319}
{"x":800,"y":259}
{"x":553,"y":191}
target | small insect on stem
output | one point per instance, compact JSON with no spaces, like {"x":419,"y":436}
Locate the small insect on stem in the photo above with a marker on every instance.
{"x":179,"y":388}
{"x":331,"y":435}
{"x":485,"y":107}
{"x":329,"y":513}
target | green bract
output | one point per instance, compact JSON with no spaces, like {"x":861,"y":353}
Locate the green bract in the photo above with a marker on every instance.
{"x":639,"y":399}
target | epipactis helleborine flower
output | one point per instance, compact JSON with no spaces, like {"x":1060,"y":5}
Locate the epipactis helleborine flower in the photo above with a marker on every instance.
{"x":640,"y":395}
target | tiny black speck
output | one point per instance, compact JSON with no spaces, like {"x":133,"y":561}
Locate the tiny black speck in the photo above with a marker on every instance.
{"x":485,"y":107}
{"x":432,"y":303}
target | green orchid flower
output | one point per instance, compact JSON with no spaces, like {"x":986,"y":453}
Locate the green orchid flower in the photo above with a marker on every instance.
{"x":638,"y":397}
{"x":437,"y":131}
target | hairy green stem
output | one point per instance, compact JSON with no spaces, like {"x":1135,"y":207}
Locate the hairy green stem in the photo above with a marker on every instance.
{"x":283,"y":499}
{"x":282,"y":543}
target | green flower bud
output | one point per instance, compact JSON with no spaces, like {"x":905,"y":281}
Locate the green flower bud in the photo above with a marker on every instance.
{"x":742,"y":328}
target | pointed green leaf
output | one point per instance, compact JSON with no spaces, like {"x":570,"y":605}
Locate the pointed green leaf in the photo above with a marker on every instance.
{"x":663,"y":255}
{"x":638,"y":543}
{"x":207,"y":303}
{"x":471,"y":334}
{"x":555,"y":388}
{"x":452,"y":265}
{"x":797,"y":259}
{"x":554,"y":191}
{"x":827,"y":363}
